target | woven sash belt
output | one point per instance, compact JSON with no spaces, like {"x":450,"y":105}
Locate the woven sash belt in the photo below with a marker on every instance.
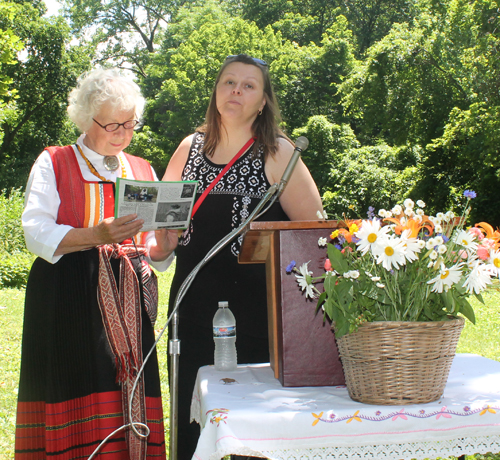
{"x":121,"y":313}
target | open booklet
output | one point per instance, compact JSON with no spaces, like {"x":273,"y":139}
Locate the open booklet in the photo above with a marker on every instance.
{"x":161,"y":204}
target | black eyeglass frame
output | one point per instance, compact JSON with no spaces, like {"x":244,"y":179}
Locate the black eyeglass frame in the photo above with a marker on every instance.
{"x":105,"y":127}
{"x":256,"y":60}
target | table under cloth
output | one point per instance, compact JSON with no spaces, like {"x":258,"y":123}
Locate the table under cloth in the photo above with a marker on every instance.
{"x":248,"y":412}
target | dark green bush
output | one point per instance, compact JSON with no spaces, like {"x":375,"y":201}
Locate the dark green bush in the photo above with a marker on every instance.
{"x":15,"y":260}
{"x":14,"y":269}
{"x":11,"y":231}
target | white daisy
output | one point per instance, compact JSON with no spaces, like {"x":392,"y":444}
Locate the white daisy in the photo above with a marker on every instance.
{"x":478,"y":279}
{"x":382,"y":212}
{"x":430,"y":243}
{"x":390,"y":252}
{"x":322,"y":242}
{"x":433,"y":255}
{"x":494,"y":262}
{"x":446,"y":277}
{"x":354,"y":274}
{"x":397,"y":210}
{"x":409,"y":212}
{"x":449,"y":215}
{"x":409,"y":203}
{"x":466,"y":240}
{"x":370,"y":234}
{"x":305,"y":281}
{"x":419,"y":212}
{"x":380,"y":285}
{"x":439,"y":240}
{"x":412,"y":246}
{"x":421,"y":204}
{"x":442,"y":249}
{"x":438,"y":228}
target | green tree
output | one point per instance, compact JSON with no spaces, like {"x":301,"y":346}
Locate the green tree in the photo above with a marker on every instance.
{"x":187,"y":72}
{"x":126,"y":31}
{"x":327,"y":142}
{"x":307,"y":21}
{"x":43,"y":74}
{"x":9,"y":45}
{"x":434,"y":84}
{"x":364,"y":177}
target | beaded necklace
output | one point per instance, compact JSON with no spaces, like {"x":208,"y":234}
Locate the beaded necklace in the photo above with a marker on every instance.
{"x":93,"y":170}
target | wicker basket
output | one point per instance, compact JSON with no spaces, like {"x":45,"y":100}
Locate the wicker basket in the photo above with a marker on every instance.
{"x":399,"y":362}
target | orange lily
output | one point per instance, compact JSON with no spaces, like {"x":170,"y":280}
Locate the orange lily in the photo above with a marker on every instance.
{"x":412,"y":225}
{"x":491,"y":234}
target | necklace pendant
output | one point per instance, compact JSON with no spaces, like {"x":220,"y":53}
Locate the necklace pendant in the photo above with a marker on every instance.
{"x":111,"y":163}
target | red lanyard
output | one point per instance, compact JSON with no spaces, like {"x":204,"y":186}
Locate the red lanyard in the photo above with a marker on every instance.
{"x":214,"y":182}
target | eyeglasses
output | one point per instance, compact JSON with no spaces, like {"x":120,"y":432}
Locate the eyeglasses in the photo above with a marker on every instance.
{"x":256,"y":60}
{"x":110,"y":127}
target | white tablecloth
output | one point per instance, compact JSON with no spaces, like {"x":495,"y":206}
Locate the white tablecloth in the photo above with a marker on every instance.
{"x":248,"y":412}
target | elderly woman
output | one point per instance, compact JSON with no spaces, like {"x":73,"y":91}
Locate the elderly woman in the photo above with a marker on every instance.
{"x":91,"y":295}
{"x":242,"y":125}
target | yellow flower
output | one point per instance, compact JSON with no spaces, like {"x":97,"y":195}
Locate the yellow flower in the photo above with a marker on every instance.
{"x":334,"y":234}
{"x":354,"y":417}
{"x":317,"y":417}
{"x":353,"y":229}
{"x":488,"y":409}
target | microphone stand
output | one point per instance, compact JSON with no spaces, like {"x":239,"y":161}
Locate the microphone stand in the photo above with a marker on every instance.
{"x":174,"y":342}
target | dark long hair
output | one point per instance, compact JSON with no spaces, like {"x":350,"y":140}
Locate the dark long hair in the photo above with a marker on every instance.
{"x":265,"y":127}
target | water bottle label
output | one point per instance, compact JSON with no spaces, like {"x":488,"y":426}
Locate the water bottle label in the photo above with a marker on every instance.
{"x":224,"y":331}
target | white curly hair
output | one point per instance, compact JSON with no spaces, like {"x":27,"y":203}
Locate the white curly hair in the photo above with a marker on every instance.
{"x":99,"y":87}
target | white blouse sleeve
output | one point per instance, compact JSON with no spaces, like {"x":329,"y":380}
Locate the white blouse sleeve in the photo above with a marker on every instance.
{"x":41,"y":204}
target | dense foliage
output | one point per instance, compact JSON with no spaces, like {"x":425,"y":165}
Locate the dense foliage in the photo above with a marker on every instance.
{"x":15,"y":260}
{"x":398,"y":98}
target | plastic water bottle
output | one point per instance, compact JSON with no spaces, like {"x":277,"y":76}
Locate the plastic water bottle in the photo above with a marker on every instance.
{"x":225,"y":339}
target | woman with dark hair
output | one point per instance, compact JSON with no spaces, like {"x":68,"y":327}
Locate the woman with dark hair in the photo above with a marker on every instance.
{"x":241,"y":126}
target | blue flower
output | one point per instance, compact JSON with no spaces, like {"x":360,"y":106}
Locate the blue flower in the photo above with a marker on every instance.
{"x":370,"y":213}
{"x":470,"y":194}
{"x":445,"y":238}
{"x":338,"y":246}
{"x":291,"y":266}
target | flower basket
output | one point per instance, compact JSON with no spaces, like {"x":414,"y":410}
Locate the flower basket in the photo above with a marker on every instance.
{"x":399,"y":362}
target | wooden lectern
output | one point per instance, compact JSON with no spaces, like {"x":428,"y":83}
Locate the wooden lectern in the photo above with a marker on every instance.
{"x":302,"y":345}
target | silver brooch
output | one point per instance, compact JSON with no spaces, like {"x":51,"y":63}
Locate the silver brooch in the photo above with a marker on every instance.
{"x":111,"y":163}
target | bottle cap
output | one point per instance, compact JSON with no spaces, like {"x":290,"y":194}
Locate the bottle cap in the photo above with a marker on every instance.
{"x":223,"y":304}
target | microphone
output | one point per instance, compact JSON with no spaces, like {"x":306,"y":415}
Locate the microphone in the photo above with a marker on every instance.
{"x":300,"y":145}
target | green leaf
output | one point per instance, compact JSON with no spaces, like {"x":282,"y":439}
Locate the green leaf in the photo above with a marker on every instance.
{"x":338,"y":260}
{"x":467,"y":311}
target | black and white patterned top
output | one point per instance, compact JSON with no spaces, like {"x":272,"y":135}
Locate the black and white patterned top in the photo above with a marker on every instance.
{"x":245,"y":183}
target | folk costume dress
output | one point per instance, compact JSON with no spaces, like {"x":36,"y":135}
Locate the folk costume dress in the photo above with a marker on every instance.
{"x":88,"y":321}
{"x":227,"y":205}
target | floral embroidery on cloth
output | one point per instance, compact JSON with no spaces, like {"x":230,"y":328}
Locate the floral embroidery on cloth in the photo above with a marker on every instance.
{"x":331,"y":417}
{"x":218,"y":416}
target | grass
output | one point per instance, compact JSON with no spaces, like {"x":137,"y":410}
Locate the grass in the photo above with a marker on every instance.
{"x":482,"y":339}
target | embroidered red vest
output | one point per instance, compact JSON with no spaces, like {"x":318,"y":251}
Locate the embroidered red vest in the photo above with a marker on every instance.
{"x":86,"y":203}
